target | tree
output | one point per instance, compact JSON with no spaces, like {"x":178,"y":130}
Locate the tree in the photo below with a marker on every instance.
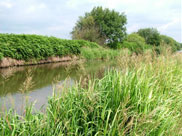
{"x":86,"y":29}
{"x":150,"y":35}
{"x":101,"y":24}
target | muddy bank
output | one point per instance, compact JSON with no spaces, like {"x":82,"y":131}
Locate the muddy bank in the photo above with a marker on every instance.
{"x":9,"y":62}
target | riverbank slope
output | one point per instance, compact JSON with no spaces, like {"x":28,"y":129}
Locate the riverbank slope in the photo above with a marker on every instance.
{"x":19,"y":50}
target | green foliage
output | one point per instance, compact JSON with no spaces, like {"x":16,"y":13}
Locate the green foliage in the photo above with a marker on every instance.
{"x":109,"y":26}
{"x":150,"y":35}
{"x":1,"y":56}
{"x":87,"y":30}
{"x":134,"y":37}
{"x":25,"y":47}
{"x":99,"y":53}
{"x":134,"y":43}
{"x":170,"y":42}
{"x":132,"y":46}
{"x":115,"y":45}
{"x":144,"y":99}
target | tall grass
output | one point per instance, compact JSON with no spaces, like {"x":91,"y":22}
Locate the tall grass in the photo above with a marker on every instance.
{"x":99,"y":53}
{"x":143,"y":96}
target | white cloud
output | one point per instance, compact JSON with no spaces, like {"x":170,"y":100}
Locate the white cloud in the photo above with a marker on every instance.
{"x":174,"y":22}
{"x":6,"y":4}
{"x":35,"y":7}
{"x":56,"y":28}
{"x":58,"y":17}
{"x":133,"y":28}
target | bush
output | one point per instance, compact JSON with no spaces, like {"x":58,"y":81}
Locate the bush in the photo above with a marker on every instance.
{"x":134,"y":43}
{"x":170,"y":42}
{"x":115,"y":45}
{"x":132,"y":46}
{"x":1,"y":56}
{"x":134,"y":37}
{"x":25,"y":47}
{"x":150,"y":35}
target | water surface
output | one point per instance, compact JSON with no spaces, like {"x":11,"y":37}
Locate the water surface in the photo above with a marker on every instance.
{"x":36,"y":83}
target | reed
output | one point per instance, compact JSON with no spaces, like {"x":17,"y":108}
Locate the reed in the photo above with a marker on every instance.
{"x":99,"y":53}
{"x":143,"y":96}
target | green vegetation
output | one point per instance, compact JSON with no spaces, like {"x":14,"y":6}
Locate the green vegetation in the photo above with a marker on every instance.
{"x":26,"y":47}
{"x":1,"y":56}
{"x":135,"y":43}
{"x":99,"y":53}
{"x":150,"y":35}
{"x":36,"y":47}
{"x":86,"y":29}
{"x":107,"y":27}
{"x":148,"y":39}
{"x":103,"y":26}
{"x":142,"y":97}
{"x":170,"y":42}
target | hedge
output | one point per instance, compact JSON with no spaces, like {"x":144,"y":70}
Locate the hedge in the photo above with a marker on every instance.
{"x":26,"y":47}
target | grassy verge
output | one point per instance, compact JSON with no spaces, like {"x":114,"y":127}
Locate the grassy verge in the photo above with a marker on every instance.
{"x":99,"y":53}
{"x":143,"y":96}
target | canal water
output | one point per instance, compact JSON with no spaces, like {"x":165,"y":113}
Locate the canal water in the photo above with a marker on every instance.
{"x":20,"y":86}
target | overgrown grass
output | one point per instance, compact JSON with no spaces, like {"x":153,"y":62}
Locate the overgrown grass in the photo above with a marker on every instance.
{"x":143,"y":96}
{"x":99,"y":53}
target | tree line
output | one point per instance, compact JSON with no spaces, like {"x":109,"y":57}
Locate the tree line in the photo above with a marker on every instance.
{"x":108,"y":28}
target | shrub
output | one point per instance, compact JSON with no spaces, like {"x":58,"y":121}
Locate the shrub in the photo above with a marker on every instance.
{"x":135,"y":43}
{"x":25,"y":47}
{"x":134,"y":37}
{"x":151,"y":36}
{"x":170,"y":42}
{"x":1,"y":56}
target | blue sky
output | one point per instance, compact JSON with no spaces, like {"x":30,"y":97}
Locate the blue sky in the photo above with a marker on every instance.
{"x":57,"y":17}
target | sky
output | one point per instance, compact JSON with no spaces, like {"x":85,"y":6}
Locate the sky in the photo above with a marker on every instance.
{"x":58,"y":17}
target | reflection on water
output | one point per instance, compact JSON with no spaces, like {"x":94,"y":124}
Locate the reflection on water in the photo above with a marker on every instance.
{"x":35,"y":83}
